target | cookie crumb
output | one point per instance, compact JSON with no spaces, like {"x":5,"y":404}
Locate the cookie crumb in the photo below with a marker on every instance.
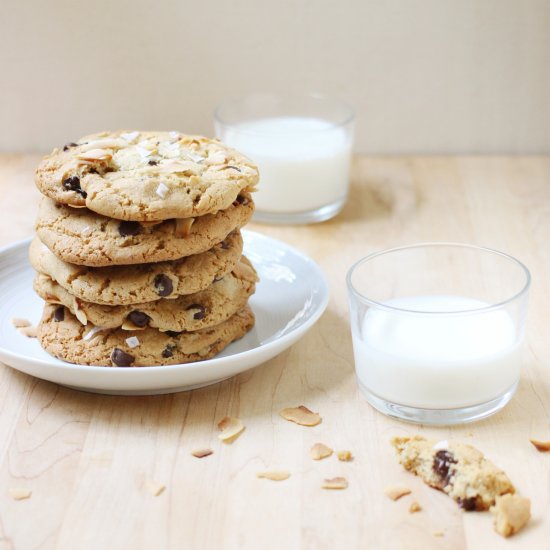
{"x":274,"y":476}
{"x":542,"y":446}
{"x":301,"y":415}
{"x":335,"y":483}
{"x":438,"y":533}
{"x":320,"y":451}
{"x":17,"y":322}
{"x":29,"y":332}
{"x":395,"y":492}
{"x":512,"y":513}
{"x":344,"y":456}
{"x":231,"y":428}
{"x":414,"y":507}
{"x":201,"y":453}
{"x":154,"y":487}
{"x":19,"y":493}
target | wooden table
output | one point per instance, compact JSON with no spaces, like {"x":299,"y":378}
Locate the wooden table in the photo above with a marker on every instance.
{"x":88,"y":458}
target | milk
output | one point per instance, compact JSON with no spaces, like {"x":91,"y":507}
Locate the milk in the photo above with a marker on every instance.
{"x":304,"y":162}
{"x":437,"y":361}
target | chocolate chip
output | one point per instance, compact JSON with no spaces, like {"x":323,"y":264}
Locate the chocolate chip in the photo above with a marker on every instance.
{"x":168,"y":351}
{"x":152,"y":163}
{"x":67,"y":146}
{"x":59,"y":314}
{"x":442,"y":463}
{"x":468,"y":504}
{"x":224,"y":245}
{"x":126,"y":229}
{"x":233,"y":168}
{"x":73,"y":184}
{"x":164,"y":285}
{"x":241,"y":199}
{"x":139,"y":318}
{"x":122,"y":359}
{"x":172,"y":333}
{"x":93,"y":171}
{"x":200,"y":313}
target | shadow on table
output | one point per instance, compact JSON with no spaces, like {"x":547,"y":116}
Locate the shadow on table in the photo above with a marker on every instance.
{"x":320,"y":365}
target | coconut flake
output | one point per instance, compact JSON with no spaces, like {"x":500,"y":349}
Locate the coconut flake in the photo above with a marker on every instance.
{"x":129,"y":136}
{"x":133,"y":342}
{"x":192,"y":156}
{"x":162,"y":190}
{"x":91,"y":333}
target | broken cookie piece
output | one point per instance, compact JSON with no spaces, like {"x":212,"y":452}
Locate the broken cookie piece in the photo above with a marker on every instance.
{"x":457,"y":469}
{"x":511,"y":512}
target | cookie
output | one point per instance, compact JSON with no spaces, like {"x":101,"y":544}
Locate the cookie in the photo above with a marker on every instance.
{"x":79,"y":236}
{"x":511,"y":513}
{"x":457,"y":469}
{"x":64,"y":337}
{"x":125,"y":285}
{"x":192,"y":312}
{"x":146,"y":176}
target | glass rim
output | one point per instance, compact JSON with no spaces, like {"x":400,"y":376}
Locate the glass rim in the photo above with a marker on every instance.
{"x":491,"y":307}
{"x":347,"y":119}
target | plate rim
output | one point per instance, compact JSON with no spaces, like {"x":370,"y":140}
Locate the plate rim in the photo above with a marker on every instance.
{"x":276,"y":343}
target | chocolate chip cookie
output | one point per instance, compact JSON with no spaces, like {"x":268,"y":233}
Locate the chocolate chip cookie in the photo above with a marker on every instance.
{"x":192,"y":312}
{"x":82,"y":237}
{"x":64,"y":337}
{"x":125,"y":285}
{"x":146,"y":176}
{"x":457,"y":469}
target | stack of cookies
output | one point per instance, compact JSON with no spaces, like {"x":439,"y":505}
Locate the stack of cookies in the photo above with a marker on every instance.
{"x":138,"y":250}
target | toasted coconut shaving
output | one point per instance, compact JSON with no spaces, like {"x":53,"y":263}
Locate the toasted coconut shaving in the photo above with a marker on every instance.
{"x":279,"y":475}
{"x":91,"y":333}
{"x":19,"y":493}
{"x":542,"y":446}
{"x":107,"y":143}
{"x":183,"y":227}
{"x":201,"y":453}
{"x":154,"y":487}
{"x":175,"y":167}
{"x":20,"y":323}
{"x":344,"y":456}
{"x":231,"y":428}
{"x":320,"y":451}
{"x":414,"y":507}
{"x":79,"y":314}
{"x":395,"y":492}
{"x":29,"y":332}
{"x":128,"y":325}
{"x":335,"y":483}
{"x":95,"y":154}
{"x":301,"y":415}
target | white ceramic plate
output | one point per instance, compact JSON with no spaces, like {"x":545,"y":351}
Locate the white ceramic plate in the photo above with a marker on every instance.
{"x":291,"y":296}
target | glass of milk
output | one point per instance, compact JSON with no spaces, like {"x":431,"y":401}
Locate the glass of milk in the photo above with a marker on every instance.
{"x":302,"y":145}
{"x":437,"y":330}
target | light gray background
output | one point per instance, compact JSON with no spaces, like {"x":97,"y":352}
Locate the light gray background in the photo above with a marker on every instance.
{"x":425,"y":76}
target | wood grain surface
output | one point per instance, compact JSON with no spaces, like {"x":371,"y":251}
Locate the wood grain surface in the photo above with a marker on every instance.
{"x":92,"y":462}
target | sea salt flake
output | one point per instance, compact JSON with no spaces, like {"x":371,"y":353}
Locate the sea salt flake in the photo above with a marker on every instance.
{"x":174,"y":135}
{"x":133,"y":342}
{"x":162,"y":190}
{"x":441,"y":445}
